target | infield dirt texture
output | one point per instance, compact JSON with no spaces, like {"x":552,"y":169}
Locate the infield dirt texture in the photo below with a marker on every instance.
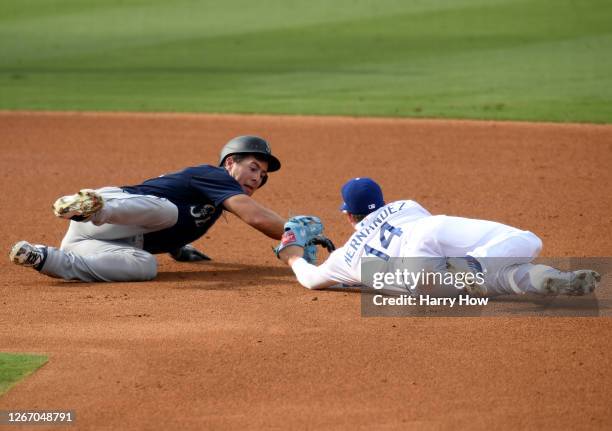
{"x":236,"y":343}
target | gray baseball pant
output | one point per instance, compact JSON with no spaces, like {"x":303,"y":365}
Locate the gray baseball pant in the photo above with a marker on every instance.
{"x":109,"y":246}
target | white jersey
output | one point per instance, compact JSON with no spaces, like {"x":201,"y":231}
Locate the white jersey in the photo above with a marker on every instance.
{"x":406,"y":229}
{"x":379,"y":234}
{"x":446,"y":236}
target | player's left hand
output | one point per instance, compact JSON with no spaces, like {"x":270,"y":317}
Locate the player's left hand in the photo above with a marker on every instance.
{"x":305,"y":232}
{"x":188,"y":253}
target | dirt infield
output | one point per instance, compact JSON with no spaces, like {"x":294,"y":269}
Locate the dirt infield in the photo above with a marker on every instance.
{"x":237,"y":343}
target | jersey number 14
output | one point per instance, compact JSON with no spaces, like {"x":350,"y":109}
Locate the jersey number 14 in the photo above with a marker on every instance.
{"x":387,"y":233}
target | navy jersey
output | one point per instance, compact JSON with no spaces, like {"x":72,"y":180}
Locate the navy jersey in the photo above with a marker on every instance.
{"x":198,"y":192}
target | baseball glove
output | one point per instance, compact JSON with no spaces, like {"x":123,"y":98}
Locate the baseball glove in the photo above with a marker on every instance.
{"x":305,"y":232}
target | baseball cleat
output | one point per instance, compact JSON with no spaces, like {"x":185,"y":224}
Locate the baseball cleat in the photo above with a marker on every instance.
{"x":577,"y":283}
{"x":584,"y":282}
{"x":80,"y":206}
{"x":25,"y":254}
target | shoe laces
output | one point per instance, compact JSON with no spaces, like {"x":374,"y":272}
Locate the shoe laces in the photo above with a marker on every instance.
{"x":33,"y":257}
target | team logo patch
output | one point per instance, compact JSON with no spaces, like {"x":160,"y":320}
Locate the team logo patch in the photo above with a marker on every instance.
{"x":288,"y":238}
{"x":202,"y":213}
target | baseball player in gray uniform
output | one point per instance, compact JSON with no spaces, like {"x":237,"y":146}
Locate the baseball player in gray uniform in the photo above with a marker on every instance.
{"x":115,"y":232}
{"x":503,"y":254}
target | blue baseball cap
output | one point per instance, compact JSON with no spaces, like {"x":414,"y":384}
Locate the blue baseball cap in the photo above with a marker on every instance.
{"x":361,"y":196}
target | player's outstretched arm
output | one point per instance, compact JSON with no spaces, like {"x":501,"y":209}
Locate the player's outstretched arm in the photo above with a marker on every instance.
{"x":255,"y":215}
{"x":308,"y":275}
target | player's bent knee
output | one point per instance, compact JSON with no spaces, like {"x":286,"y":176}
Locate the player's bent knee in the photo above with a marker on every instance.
{"x":147,"y":266}
{"x":535,"y":243}
{"x":149,"y":270}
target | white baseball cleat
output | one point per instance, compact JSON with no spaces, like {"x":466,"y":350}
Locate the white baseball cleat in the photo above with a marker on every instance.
{"x":80,"y":206}
{"x":576,"y":283}
{"x":25,"y":254}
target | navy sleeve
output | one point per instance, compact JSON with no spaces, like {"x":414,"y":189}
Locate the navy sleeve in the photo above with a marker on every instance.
{"x":217,"y":185}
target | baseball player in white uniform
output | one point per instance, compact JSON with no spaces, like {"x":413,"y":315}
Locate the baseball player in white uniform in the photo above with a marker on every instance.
{"x":404,"y":229}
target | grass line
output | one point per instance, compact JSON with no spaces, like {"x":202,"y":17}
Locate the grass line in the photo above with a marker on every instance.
{"x":15,"y":367}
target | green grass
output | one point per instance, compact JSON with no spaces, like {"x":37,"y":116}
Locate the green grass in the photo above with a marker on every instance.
{"x":495,"y":59}
{"x":14,"y":367}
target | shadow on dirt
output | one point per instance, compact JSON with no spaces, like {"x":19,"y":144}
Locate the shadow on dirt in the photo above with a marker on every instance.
{"x":230,"y":276}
